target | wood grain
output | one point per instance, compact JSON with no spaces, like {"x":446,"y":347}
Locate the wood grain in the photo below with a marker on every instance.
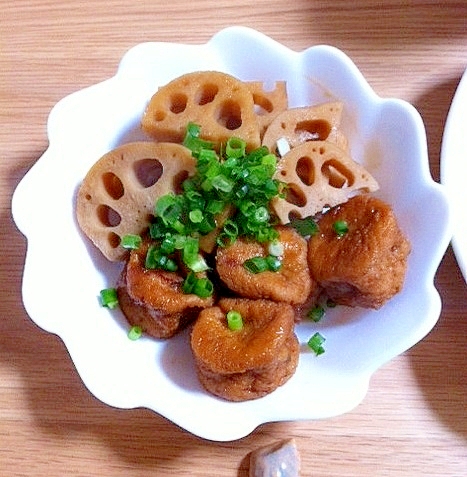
{"x":413,"y":422}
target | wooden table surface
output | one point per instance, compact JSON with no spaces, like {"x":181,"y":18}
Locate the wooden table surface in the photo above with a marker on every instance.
{"x":413,"y":422}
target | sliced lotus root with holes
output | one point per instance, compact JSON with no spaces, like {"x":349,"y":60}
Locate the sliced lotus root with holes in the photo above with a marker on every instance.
{"x":318,"y":174}
{"x":221,"y":104}
{"x":268,"y":103}
{"x":313,"y":123}
{"x":117,"y":195}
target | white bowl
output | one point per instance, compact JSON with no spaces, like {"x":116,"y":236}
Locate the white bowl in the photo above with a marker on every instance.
{"x":63,"y":273}
{"x":454,"y":170}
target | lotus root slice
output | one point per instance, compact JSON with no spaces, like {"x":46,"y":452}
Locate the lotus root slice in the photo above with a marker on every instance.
{"x":118,"y":194}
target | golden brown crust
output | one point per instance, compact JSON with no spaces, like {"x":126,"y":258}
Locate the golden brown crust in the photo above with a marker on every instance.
{"x":291,"y":284}
{"x":219,"y":103}
{"x":117,"y":195}
{"x":154,"y":300}
{"x":249,"y":363}
{"x":366,"y":266}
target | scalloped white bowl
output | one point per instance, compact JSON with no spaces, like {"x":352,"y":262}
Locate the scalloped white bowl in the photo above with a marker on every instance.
{"x":60,"y":291}
{"x":454,"y":170}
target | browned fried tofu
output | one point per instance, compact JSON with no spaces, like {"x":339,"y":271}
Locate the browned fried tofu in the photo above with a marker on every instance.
{"x":251,"y":362}
{"x":291,"y":284}
{"x":154,"y":299}
{"x":365,"y":266}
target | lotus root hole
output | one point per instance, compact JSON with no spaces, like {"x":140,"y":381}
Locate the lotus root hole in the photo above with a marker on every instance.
{"x":337,"y":174}
{"x":294,"y":215}
{"x":107,"y":216}
{"x":305,"y":170}
{"x":113,"y":239}
{"x":113,"y":185}
{"x":178,"y":103}
{"x":207,"y":94}
{"x":295,"y":195}
{"x":313,"y":130}
{"x":178,"y":181}
{"x":148,"y":171}
{"x":230,"y":115}
{"x":262,"y":105}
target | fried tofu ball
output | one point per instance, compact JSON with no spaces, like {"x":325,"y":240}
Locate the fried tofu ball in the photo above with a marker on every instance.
{"x":154,"y":300}
{"x":365,"y":266}
{"x":291,"y":284}
{"x":247,"y":363}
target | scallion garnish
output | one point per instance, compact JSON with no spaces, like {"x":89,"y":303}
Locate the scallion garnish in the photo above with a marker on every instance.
{"x":235,"y":147}
{"x":315,"y":343}
{"x":276,"y":248}
{"x":156,"y":259}
{"x":201,"y":287}
{"x":256,"y":265}
{"x":263,"y":264}
{"x":135,"y":333}
{"x":196,"y":216}
{"x":306,"y":227}
{"x":234,"y":320}
{"x":109,"y":298}
{"x":340,"y":227}
{"x":316,"y":313}
{"x":231,"y":183}
{"x":131,"y":241}
{"x":192,"y":140}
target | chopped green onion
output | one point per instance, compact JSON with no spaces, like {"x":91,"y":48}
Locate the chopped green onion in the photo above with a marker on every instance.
{"x":109,"y":298}
{"x":235,"y":147}
{"x":192,"y":140}
{"x":196,"y":216}
{"x":169,"y":208}
{"x":274,"y":263}
{"x":197,"y":264}
{"x":156,"y":259}
{"x":222,"y":183}
{"x":131,"y":241}
{"x":189,"y":283}
{"x":263,"y":264}
{"x":316,"y":313}
{"x":234,"y":320}
{"x":261,"y":214}
{"x":227,"y":177}
{"x":269,"y":160}
{"x":276,"y":248}
{"x":201,"y":287}
{"x":135,"y":333}
{"x":256,"y":265}
{"x":168,"y":245}
{"x":191,"y":257}
{"x":215,"y":206}
{"x":315,"y":343}
{"x":340,"y":227}
{"x":305,"y":227}
{"x":157,"y":230}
